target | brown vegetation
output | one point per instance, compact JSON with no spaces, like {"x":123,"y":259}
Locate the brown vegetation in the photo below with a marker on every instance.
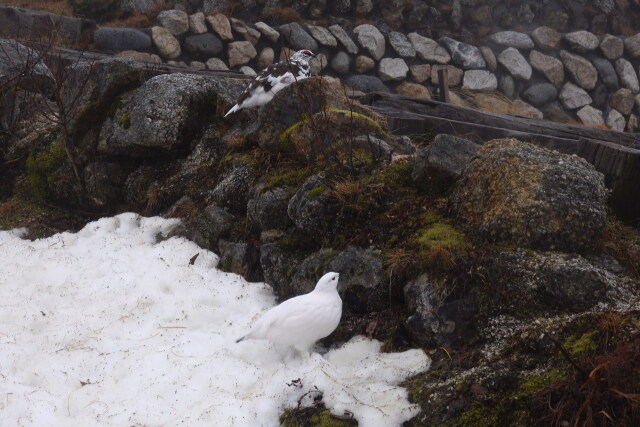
{"x":60,"y":7}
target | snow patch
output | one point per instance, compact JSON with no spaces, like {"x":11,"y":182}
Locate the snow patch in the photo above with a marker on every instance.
{"x":113,"y":326}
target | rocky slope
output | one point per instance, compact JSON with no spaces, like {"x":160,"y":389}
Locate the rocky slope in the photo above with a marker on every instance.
{"x":501,"y":260}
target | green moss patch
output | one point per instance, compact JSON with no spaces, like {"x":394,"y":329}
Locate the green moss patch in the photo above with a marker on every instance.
{"x":536,"y":383}
{"x":441,"y":235}
{"x":125,"y":120}
{"x":41,"y":173}
{"x":291,"y":177}
{"x":317,"y":192}
{"x":579,"y":346}
{"x":316,"y":416}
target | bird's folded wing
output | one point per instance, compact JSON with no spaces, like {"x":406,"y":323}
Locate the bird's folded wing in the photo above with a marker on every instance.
{"x":290,"y":313}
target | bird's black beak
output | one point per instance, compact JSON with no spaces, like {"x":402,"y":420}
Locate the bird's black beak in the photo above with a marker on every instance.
{"x":313,"y":55}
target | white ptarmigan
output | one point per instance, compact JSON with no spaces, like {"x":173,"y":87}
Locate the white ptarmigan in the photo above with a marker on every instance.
{"x":302,"y":320}
{"x":273,"y":79}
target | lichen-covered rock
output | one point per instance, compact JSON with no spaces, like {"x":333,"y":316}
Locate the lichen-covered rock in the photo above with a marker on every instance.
{"x":414,"y":90}
{"x":443,"y":161}
{"x":627,"y":75}
{"x":590,"y":116}
{"x":197,"y":23}
{"x":276,"y":263}
{"x":362,"y":281}
{"x":103,"y":181}
{"x":220,"y":25}
{"x":464,"y":55}
{"x":322,"y":35}
{"x":216,"y":64}
{"x":479,"y":80}
{"x":164,"y":114}
{"x":401,"y":45}
{"x":392,"y":69}
{"x":573,"y":97}
{"x":432,"y":321}
{"x":233,"y":258}
{"x":140,"y":56}
{"x":580,"y":69}
{"x":490,"y":58}
{"x":515,"y":63}
{"x":616,"y":121}
{"x":428,"y":49}
{"x":371,"y":39}
{"x":167,"y":45}
{"x":612,"y":47}
{"x":205,"y":228}
{"x":268,"y":209}
{"x":364,"y":64}
{"x":454,"y":74}
{"x":420,"y":72}
{"x":233,"y":191}
{"x":344,"y":38}
{"x":14,"y":59}
{"x":240,"y":53}
{"x":512,"y":39}
{"x":582,"y":41}
{"x":288,"y":112}
{"x":551,"y":281}
{"x":249,"y":33}
{"x":93,"y":89}
{"x":268,"y":32}
{"x":310,"y":210}
{"x":265,"y":58}
{"x":632,"y":46}
{"x":551,"y":67}
{"x":533,"y":196}
{"x":622,"y":100}
{"x":174,"y":20}
{"x":546,"y":38}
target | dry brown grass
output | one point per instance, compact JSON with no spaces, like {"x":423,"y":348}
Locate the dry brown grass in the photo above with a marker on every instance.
{"x":137,"y":20}
{"x":623,"y":243}
{"x":285,"y":15}
{"x":60,"y":7}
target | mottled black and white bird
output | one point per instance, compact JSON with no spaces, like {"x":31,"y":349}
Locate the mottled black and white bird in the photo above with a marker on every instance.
{"x":273,"y":79}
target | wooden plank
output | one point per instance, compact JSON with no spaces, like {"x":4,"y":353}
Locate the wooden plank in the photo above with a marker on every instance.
{"x":433,"y":108}
{"x":402,"y":123}
{"x":443,"y":84}
{"x":621,"y":168}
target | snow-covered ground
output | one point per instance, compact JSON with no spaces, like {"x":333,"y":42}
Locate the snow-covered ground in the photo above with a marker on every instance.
{"x":110,"y":326}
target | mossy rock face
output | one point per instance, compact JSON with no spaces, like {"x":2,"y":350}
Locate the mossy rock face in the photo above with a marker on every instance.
{"x":315,"y":416}
{"x":535,"y":197}
{"x":294,"y":105}
{"x":44,"y":174}
{"x":333,"y":133}
{"x":521,"y":377}
{"x":553,"y":282}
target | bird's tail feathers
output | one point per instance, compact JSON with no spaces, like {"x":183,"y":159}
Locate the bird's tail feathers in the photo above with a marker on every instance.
{"x":232,"y":110}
